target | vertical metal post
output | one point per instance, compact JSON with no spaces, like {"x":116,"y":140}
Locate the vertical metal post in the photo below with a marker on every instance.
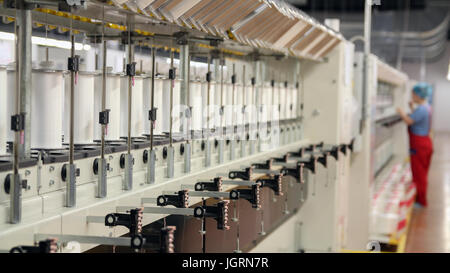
{"x":208,"y":113}
{"x":233,"y":115}
{"x":243,"y":110}
{"x":170,"y":150}
{"x":128,"y":181}
{"x":367,"y":48}
{"x":15,"y":207}
{"x":25,"y":21}
{"x":101,"y":185}
{"x":184,"y":98}
{"x":151,"y":168}
{"x":71,"y":176}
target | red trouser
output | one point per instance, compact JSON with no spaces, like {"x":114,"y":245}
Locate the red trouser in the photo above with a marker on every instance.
{"x":421,"y":150}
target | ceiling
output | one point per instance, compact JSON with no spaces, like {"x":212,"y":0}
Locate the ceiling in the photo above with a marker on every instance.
{"x":402,"y":30}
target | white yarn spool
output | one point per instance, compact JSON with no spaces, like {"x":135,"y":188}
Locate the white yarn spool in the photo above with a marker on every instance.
{"x":166,"y":106}
{"x":208,"y":109}
{"x":282,"y":100}
{"x":112,"y":102}
{"x":195,"y":100}
{"x":159,"y":105}
{"x":47,"y":102}
{"x":217,"y":101}
{"x":137,"y":107}
{"x":249,"y":104}
{"x":294,"y":97}
{"x":275,"y":104}
{"x":3,"y":111}
{"x":229,"y":104}
{"x":83,"y":109}
{"x":10,"y":96}
{"x":239,"y":103}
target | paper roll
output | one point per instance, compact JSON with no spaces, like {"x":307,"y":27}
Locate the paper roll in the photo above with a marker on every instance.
{"x":137,"y":107}
{"x":3,"y":111}
{"x":217,"y":104}
{"x":47,"y":102}
{"x":196,"y":104}
{"x":112,"y":102}
{"x":83,"y":109}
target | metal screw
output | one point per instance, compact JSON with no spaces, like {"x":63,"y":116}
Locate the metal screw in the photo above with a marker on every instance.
{"x":52,"y":182}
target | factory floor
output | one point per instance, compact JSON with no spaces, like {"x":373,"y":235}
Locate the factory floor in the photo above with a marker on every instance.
{"x":430,"y":227}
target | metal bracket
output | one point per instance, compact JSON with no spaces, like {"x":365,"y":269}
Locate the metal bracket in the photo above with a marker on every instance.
{"x":215,"y":185}
{"x":180,"y":200}
{"x":244,"y":175}
{"x":69,"y":174}
{"x":187,"y":157}
{"x":45,"y":246}
{"x":274,"y":184}
{"x":128,"y":179}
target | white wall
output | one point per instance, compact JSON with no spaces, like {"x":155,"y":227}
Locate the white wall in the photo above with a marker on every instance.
{"x":436,"y":74}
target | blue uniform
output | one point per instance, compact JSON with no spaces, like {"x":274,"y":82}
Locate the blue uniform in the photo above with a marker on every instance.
{"x":421,"y":117}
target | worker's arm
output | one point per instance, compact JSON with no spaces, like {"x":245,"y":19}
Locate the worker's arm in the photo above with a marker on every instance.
{"x":405,"y":117}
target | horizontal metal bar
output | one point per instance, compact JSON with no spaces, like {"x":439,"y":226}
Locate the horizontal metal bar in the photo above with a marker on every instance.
{"x":210,"y":194}
{"x":85,"y":239}
{"x":187,"y":187}
{"x":95,"y":219}
{"x":285,"y":164}
{"x":148,"y":200}
{"x":161,"y":210}
{"x":266,"y":171}
{"x":238,"y":182}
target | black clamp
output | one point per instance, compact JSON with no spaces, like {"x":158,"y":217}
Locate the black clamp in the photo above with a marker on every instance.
{"x":285,"y":84}
{"x":272,"y":83}
{"x":296,"y":172}
{"x":272,"y":183}
{"x":208,"y":76}
{"x":343,"y":148}
{"x":46,"y":246}
{"x":96,"y":165}
{"x":122,"y":160}
{"x":244,"y":175}
{"x":73,"y":63}
{"x":64,"y":172}
{"x":334,"y":152}
{"x":180,"y":200}
{"x":103,"y":117}
{"x":311,"y":164}
{"x":152,"y":114}
{"x":267,"y":165}
{"x":172,"y":73}
{"x":18,"y":122}
{"x":253,"y":81}
{"x":131,"y":69}
{"x":8,"y":180}
{"x":215,"y":185}
{"x":323,"y":159}
{"x":233,"y":79}
{"x":283,"y":159}
{"x":350,"y":146}
{"x":219,"y":213}
{"x":297,"y":85}
{"x":132,"y":220}
{"x":251,"y":195}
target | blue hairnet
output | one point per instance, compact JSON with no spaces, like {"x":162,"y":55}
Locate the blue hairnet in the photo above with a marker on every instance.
{"x":422,"y":89}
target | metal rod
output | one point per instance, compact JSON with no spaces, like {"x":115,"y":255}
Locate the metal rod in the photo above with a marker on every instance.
{"x":72,"y":100}
{"x":103,"y":88}
{"x":130,"y":88}
{"x":15,"y":202}
{"x":208,"y":95}
{"x":152,"y":123}
{"x":160,"y":210}
{"x":238,"y":182}
{"x":86,"y":239}
{"x":209,"y":194}
{"x":172,"y":83}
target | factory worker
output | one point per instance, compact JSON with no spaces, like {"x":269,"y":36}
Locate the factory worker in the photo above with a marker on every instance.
{"x":421,"y":147}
